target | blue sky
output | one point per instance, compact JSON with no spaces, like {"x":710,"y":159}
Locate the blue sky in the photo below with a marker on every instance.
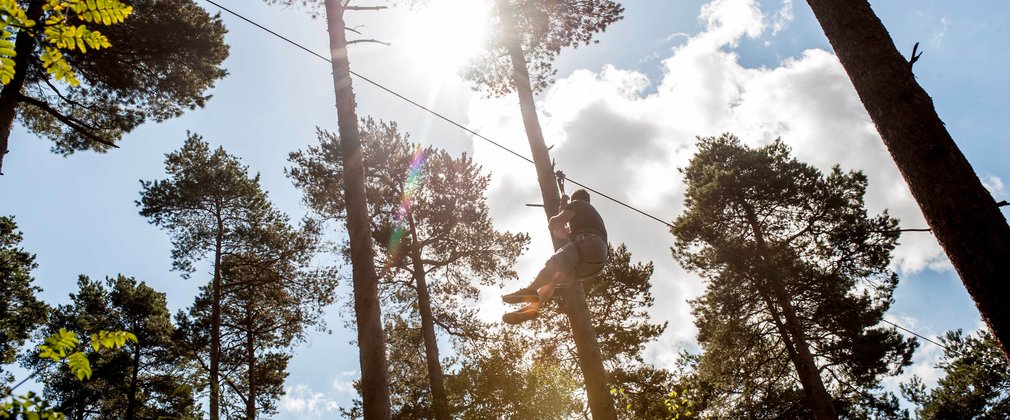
{"x":670,"y":71}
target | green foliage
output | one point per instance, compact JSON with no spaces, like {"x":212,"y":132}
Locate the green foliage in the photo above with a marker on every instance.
{"x":542,"y":29}
{"x":208,"y":195}
{"x":755,"y":216}
{"x":976,"y":382}
{"x":60,"y":32}
{"x":29,"y":406}
{"x":61,"y":346}
{"x":164,"y":58}
{"x":216,"y":211}
{"x":442,"y":241}
{"x":135,"y":374}
{"x":675,"y":405}
{"x":503,"y":378}
{"x":20,"y":311}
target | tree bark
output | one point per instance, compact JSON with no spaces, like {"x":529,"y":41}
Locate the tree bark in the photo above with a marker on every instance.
{"x":215,"y":327}
{"x":371,"y":342}
{"x":250,"y":354}
{"x":810,"y":378}
{"x":440,"y":402}
{"x":131,"y":400}
{"x":594,"y":376}
{"x":10,"y":95}
{"x":961,"y":212}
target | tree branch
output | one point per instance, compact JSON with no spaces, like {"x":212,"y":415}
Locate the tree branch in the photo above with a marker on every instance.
{"x":362,"y":41}
{"x":373,"y":8}
{"x":74,"y":123}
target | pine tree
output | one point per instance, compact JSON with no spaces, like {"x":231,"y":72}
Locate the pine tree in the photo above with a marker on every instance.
{"x":20,"y":311}
{"x":797,"y":273}
{"x":140,"y":380}
{"x":212,"y":208}
{"x":976,"y":381}
{"x":430,"y":210}
{"x":162,"y":60}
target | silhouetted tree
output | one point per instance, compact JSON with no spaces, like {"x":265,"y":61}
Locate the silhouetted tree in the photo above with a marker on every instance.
{"x":975,"y":385}
{"x":20,"y":311}
{"x":962,"y":214}
{"x":796,"y":272}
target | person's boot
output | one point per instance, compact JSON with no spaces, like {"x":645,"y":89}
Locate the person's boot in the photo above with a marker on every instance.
{"x":524,"y":295}
{"x":527,"y":313}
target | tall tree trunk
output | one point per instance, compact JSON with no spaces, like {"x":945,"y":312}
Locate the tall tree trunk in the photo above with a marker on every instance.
{"x":131,"y":399}
{"x":601,"y":405}
{"x":371,"y":342}
{"x":963,"y":215}
{"x":215,"y":327}
{"x":810,"y":377}
{"x":10,"y":96}
{"x":250,"y":354}
{"x":440,"y":403}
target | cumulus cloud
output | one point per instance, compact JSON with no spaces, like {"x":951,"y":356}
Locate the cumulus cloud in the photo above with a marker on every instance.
{"x":608,"y":133}
{"x":302,"y":400}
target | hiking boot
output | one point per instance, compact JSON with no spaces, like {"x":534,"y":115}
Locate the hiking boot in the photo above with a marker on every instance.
{"x":524,"y":295}
{"x":525,"y":314}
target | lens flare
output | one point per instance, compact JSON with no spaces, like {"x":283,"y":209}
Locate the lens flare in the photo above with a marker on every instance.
{"x":395,"y":246}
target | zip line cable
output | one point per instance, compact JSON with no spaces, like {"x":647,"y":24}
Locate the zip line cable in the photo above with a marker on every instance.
{"x":499,"y":145}
{"x":914,"y":333}
{"x":429,"y":110}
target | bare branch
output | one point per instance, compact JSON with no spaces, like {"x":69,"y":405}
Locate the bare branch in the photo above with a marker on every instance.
{"x":361,"y":41}
{"x":365,"y":7}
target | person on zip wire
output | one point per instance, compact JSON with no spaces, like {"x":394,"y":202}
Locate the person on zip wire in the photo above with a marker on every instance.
{"x":583,"y":257}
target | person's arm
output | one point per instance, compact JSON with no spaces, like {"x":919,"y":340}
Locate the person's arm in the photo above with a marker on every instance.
{"x":559,"y":221}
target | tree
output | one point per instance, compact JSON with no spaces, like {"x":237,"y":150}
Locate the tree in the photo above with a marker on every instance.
{"x":500,"y":378}
{"x":531,"y":34}
{"x":618,"y":299}
{"x":962,"y":214}
{"x":140,"y":380}
{"x":163,"y":59}
{"x":61,"y":347}
{"x":794,"y":266}
{"x":430,"y":209}
{"x":20,"y":311}
{"x":367,"y":311}
{"x":212,"y":209}
{"x":976,"y":382}
{"x":532,"y":371}
{"x":270,"y":300}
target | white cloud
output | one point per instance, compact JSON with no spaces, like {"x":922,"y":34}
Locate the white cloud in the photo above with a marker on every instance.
{"x":303,"y":400}
{"x":609,"y":134}
{"x":994,"y":184}
{"x":937,"y":40}
{"x":783,"y":18}
{"x":344,"y":382}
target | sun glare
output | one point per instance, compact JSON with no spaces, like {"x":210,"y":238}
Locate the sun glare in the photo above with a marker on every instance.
{"x":443,"y":35}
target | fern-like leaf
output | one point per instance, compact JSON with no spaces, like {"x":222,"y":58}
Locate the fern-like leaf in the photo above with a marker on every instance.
{"x":79,"y":365}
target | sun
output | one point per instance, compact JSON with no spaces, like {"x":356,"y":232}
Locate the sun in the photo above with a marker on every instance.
{"x":443,"y":35}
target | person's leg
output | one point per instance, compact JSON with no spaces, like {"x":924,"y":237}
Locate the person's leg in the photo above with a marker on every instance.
{"x":555,"y":269}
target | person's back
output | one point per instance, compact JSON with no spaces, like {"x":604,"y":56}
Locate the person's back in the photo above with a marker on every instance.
{"x":586,"y":219}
